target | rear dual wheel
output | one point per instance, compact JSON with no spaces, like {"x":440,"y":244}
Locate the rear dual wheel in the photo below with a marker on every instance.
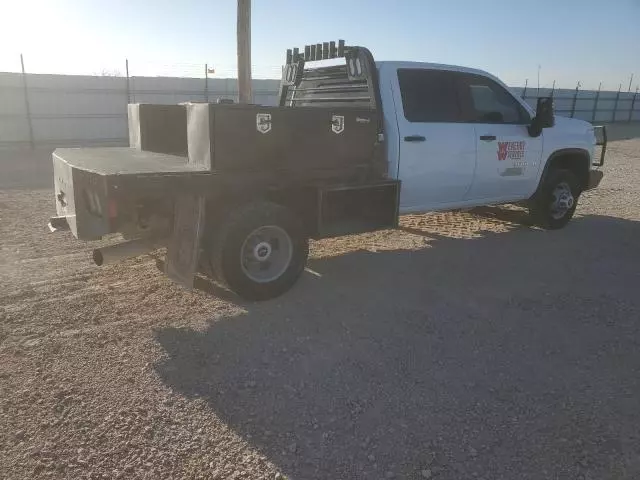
{"x":259,"y":250}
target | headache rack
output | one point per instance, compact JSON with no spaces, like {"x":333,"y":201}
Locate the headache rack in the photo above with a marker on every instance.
{"x":353,"y":83}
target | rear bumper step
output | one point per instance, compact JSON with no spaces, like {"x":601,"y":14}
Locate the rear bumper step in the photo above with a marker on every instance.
{"x":58,"y":223}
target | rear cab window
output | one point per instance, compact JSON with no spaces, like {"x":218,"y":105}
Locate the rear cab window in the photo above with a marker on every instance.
{"x":429,"y":95}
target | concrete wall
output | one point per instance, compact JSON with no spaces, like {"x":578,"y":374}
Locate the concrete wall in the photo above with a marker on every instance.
{"x":74,"y":110}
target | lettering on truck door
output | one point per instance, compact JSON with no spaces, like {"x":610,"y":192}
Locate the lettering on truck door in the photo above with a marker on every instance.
{"x":508,"y":158}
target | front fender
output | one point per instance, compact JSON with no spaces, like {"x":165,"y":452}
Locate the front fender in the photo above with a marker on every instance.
{"x":575,"y":159}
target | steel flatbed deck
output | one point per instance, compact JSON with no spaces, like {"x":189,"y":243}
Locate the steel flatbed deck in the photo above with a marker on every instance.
{"x":126,"y":161}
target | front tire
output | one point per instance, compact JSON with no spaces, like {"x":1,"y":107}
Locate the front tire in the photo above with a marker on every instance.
{"x":555,"y":202}
{"x":259,"y":250}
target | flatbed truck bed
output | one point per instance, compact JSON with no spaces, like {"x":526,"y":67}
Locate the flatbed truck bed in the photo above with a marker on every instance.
{"x":126,"y":161}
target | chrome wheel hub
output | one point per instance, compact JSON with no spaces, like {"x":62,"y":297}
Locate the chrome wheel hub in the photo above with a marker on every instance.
{"x":562,"y":200}
{"x":266,"y":253}
{"x":262,"y":251}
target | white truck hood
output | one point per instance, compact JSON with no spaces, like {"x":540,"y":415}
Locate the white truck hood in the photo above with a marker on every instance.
{"x":573,"y":125}
{"x":570,"y":133}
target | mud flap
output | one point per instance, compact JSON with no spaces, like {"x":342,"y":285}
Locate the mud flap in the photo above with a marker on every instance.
{"x":184,"y":245}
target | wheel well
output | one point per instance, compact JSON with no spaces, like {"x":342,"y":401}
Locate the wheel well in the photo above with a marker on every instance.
{"x":576,"y":161}
{"x":302,"y":201}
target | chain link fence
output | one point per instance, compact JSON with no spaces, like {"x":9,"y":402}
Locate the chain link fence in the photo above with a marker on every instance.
{"x":591,"y":105}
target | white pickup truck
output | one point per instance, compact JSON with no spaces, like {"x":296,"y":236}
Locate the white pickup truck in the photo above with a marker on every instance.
{"x":457,"y":137}
{"x":236,"y":191}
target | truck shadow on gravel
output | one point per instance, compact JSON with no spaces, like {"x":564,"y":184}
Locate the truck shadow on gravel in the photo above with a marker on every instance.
{"x":513,"y":355}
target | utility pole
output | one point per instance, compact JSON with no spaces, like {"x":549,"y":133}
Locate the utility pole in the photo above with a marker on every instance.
{"x":244,"y":51}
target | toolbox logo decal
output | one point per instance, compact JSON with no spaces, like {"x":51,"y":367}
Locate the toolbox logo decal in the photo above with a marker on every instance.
{"x":263,"y":122}
{"x":511,"y":150}
{"x":337,"y":123}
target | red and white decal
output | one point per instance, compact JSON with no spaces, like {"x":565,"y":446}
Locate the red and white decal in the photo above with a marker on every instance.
{"x":511,"y":150}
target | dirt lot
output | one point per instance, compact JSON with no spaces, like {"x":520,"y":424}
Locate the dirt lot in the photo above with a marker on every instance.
{"x":464,"y":346}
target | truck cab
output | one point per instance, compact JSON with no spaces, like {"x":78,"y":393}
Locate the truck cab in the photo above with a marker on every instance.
{"x":457,"y":137}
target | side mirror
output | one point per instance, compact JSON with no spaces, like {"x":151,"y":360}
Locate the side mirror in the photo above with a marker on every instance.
{"x":544,"y":116}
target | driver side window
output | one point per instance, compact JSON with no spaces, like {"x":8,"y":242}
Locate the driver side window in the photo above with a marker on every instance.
{"x":489,"y":102}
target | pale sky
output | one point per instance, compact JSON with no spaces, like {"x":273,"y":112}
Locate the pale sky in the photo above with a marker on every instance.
{"x":571,"y":40}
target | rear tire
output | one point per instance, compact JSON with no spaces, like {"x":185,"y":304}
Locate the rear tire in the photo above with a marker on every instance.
{"x":555,"y":202}
{"x":259,"y":250}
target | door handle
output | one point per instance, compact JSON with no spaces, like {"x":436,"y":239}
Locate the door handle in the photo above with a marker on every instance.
{"x":414,"y":138}
{"x":487,"y":138}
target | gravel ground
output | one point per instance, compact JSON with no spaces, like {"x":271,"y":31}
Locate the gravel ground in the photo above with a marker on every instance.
{"x":462,"y":346}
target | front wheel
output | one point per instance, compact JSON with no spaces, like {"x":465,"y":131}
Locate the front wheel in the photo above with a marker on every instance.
{"x":554,"y":204}
{"x":259,"y":250}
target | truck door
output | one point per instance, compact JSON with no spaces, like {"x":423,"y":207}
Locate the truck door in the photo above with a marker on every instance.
{"x":508,"y":158}
{"x":437,"y":152}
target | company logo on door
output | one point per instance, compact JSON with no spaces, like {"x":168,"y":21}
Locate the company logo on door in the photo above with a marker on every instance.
{"x":511,"y":150}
